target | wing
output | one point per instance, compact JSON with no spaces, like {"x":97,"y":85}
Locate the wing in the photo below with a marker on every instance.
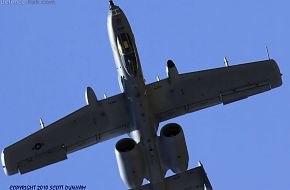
{"x":190,"y":92}
{"x":89,"y":125}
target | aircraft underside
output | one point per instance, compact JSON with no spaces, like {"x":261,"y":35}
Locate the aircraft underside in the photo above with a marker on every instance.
{"x":137,"y":111}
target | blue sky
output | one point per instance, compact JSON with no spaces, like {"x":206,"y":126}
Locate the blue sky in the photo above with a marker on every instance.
{"x":51,"y":53}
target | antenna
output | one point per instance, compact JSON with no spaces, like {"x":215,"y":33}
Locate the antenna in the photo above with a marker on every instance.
{"x":268,"y":54}
{"x":41,"y":123}
{"x":226,"y":61}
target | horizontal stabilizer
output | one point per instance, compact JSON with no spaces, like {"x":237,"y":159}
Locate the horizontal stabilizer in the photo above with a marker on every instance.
{"x":193,"y":179}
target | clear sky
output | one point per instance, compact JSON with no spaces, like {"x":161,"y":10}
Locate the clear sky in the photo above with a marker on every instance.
{"x":49,"y":54}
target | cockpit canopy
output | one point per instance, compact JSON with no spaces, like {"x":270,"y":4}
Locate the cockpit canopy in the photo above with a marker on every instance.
{"x":124,"y":43}
{"x":128,"y":56}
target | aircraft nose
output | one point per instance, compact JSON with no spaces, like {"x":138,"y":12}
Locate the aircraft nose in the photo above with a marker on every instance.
{"x":112,"y":5}
{"x":115,"y":11}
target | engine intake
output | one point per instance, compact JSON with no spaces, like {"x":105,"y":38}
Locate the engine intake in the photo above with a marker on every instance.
{"x":130,"y":162}
{"x":173,"y":148}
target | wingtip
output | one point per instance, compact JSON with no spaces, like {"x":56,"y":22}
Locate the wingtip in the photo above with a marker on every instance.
{"x":3,"y":163}
{"x":9,"y":166}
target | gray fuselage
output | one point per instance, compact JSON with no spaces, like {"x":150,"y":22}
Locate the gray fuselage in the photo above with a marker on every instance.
{"x":143,"y":127}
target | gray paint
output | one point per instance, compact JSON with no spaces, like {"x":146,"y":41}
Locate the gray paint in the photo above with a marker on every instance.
{"x":143,"y":126}
{"x":137,"y":111}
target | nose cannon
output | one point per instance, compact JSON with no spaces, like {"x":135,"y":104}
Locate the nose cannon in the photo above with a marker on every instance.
{"x":111,"y":3}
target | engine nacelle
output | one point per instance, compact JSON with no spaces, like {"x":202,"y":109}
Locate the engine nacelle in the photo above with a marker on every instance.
{"x":130,"y":162}
{"x":171,"y":70}
{"x":173,"y":148}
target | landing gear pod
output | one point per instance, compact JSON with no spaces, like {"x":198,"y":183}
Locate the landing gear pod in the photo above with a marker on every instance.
{"x":171,"y":70}
{"x":90,"y":96}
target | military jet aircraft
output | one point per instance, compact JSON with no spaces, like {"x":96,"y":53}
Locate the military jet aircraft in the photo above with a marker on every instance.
{"x":137,"y":111}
